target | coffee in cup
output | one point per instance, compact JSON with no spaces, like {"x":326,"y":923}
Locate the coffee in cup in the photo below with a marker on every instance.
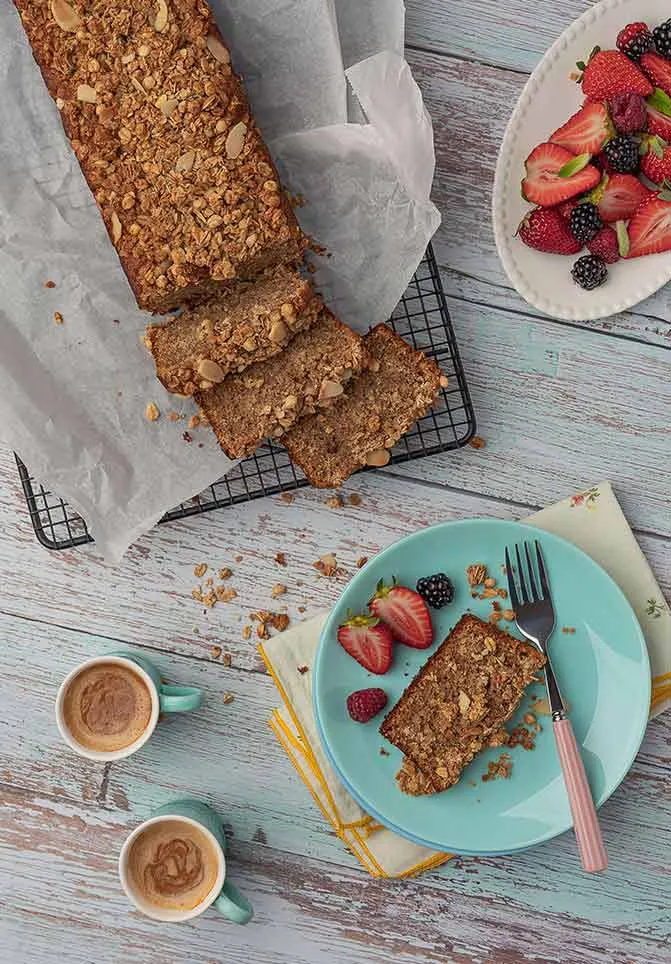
{"x":173,"y":865}
{"x":107,"y":707}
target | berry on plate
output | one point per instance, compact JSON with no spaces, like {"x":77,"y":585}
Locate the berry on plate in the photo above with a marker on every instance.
{"x":589,"y":272}
{"x":587,"y":131}
{"x":368,"y":640}
{"x":611,"y":72}
{"x":656,"y":161}
{"x":622,"y":154}
{"x":363,"y":705}
{"x":566,"y":209}
{"x":606,"y":245}
{"x":619,"y":196}
{"x":585,"y":222}
{"x":650,"y":227}
{"x":658,"y":106}
{"x":436,"y":590}
{"x":662,"y":38}
{"x":629,"y":113}
{"x":554,"y":175}
{"x":546,"y":229}
{"x":635,"y":40}
{"x":658,"y":70}
{"x":405,"y":613}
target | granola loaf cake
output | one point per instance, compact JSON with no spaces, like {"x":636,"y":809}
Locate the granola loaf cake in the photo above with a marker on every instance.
{"x":458,"y":703}
{"x":399,"y":386}
{"x":249,"y":323}
{"x":164,"y":135}
{"x":268,"y":397}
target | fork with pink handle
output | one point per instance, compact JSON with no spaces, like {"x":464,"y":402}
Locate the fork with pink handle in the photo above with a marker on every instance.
{"x":535,"y":617}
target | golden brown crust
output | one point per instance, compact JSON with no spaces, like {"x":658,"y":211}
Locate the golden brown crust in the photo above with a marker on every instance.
{"x":381,"y":406}
{"x":269,"y":397}
{"x":164,"y":135}
{"x":249,"y":323}
{"x":458,"y":703}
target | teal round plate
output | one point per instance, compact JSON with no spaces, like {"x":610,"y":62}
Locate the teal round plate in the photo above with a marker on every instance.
{"x":602,"y":668}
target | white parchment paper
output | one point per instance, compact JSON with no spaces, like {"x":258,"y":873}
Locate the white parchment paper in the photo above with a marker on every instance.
{"x":347,"y":127}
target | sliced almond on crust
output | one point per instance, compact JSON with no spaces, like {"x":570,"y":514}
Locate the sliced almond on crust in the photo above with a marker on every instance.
{"x":65,"y":16}
{"x":87,"y":94}
{"x":161,"y":19}
{"x":236,"y":140}
{"x":185,"y":162}
{"x":218,"y":50}
{"x":210,"y":370}
{"x":378,"y":458}
{"x":116,"y":228}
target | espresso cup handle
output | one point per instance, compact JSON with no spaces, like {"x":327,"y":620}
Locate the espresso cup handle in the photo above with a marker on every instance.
{"x":179,"y":699}
{"x":233,"y":905}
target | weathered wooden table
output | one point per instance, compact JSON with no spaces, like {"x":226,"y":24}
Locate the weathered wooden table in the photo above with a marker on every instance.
{"x":561,"y":406}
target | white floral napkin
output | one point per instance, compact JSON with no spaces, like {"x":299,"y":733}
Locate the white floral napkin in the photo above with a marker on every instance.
{"x":594,"y":521}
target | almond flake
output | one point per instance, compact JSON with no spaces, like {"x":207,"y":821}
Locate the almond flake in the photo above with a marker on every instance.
{"x":167,"y":105}
{"x":378,"y":458}
{"x":65,"y":16}
{"x":87,"y":94}
{"x":464,"y":702}
{"x":151,"y":412}
{"x":161,"y":21}
{"x":210,"y":370}
{"x":185,"y":162}
{"x":218,"y":50}
{"x":236,"y":140}
{"x":116,"y":228}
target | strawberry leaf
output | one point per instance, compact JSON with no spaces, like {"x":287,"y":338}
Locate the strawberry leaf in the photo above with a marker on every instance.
{"x":665,"y":193}
{"x":657,"y":146}
{"x":660,"y":100}
{"x":622,"y":238}
{"x":575,"y":165}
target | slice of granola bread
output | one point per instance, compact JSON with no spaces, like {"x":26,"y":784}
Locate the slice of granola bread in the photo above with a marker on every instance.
{"x":458,"y":703}
{"x":398,"y":387}
{"x":248,"y":323}
{"x":267,"y":398}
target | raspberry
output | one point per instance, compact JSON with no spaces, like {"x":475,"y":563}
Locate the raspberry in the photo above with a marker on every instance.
{"x":363,"y":705}
{"x":605,"y":245}
{"x":629,"y":113}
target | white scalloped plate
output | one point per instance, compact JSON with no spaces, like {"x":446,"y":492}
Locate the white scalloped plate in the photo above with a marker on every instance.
{"x":547,"y":101}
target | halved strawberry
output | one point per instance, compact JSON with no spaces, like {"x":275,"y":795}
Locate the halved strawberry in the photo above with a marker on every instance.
{"x":658,"y":106}
{"x":405,"y":612}
{"x":650,"y":227}
{"x":368,"y":640}
{"x":587,"y":131}
{"x":611,"y":72}
{"x":658,"y":70}
{"x":554,"y":175}
{"x":656,"y":161}
{"x":619,"y":196}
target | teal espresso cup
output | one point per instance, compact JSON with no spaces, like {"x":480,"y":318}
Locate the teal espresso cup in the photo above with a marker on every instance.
{"x":173,"y":866}
{"x":108,"y":707}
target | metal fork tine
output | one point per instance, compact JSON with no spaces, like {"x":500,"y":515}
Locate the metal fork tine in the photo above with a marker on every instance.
{"x":535,"y":597}
{"x":541,"y":571}
{"x":512,"y":588}
{"x":520,"y":573}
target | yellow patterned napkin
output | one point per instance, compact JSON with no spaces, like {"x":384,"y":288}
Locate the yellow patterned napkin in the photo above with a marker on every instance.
{"x":594,"y":521}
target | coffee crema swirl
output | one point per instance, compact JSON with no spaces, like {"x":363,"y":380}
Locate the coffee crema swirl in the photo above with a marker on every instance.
{"x":177,"y":867}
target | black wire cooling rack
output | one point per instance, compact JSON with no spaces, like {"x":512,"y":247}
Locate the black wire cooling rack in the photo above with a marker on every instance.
{"x":421,"y":317}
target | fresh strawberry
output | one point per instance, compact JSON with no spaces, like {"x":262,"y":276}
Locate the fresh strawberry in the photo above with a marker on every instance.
{"x":587,"y":131}
{"x":611,"y":72}
{"x":635,"y":40}
{"x":619,"y":196}
{"x":658,"y":106}
{"x":554,"y":175}
{"x":368,"y":640}
{"x":658,"y":70}
{"x":606,"y":245}
{"x":656,"y":162}
{"x":546,"y":229}
{"x":650,"y":227}
{"x":363,"y":705}
{"x":404,"y":611}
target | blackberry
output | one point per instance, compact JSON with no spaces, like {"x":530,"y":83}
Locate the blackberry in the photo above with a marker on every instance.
{"x":585,"y":222}
{"x":589,"y":272}
{"x":436,"y":590}
{"x":635,"y":40}
{"x":662,"y":38}
{"x":622,"y":154}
